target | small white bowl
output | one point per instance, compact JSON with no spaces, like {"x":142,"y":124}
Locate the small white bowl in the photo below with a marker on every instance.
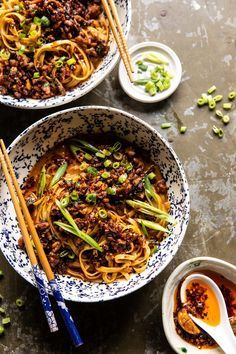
{"x":179,"y":345}
{"x":137,"y":92}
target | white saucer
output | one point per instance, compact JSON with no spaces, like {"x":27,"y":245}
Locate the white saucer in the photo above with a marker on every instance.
{"x":137,"y":92}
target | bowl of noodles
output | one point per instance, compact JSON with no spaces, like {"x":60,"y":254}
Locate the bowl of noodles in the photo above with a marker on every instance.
{"x":108,"y":196}
{"x":53,"y":52}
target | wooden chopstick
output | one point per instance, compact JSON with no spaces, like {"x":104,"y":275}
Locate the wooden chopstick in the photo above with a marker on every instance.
{"x":29,"y":249}
{"x":118,"y":24}
{"x":41,"y":254}
{"x":123,"y":50}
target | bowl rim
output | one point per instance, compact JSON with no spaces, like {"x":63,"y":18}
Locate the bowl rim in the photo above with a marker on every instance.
{"x":186,"y":216}
{"x":165,"y":296}
{"x":11,"y":101}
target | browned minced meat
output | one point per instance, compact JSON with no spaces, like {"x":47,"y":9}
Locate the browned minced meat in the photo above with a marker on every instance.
{"x":66,"y":22}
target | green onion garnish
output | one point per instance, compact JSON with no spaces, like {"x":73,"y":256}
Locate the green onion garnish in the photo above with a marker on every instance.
{"x":71,"y":255}
{"x":1,"y":330}
{"x":36,"y":75}
{"x":122,"y":178}
{"x":227,"y":106}
{"x":219,"y":113}
{"x":225,"y":119}
{"x":153,"y":225}
{"x":129,"y":167}
{"x":20,"y":302}
{"x":2,"y":311}
{"x":151,"y":175}
{"x":155,"y":58}
{"x":86,"y":145}
{"x":91,"y":198}
{"x":105,"y":175}
{"x":154,"y":250}
{"x":116,"y":147}
{"x":45,"y":21}
{"x":71,"y":61}
{"x":217,"y":98}
{"x":42,"y":181}
{"x":116,"y":165}
{"x":118,"y":156}
{"x":201,"y":102}
{"x":211,"y":89}
{"x":6,"y":321}
{"x":74,"y":196}
{"x":73,"y":228}
{"x":83,"y":166}
{"x":63,"y":254}
{"x":37,"y":20}
{"x":59,"y":174}
{"x":21,"y":50}
{"x":111,"y":191}
{"x":92,"y":170}
{"x":165,"y":125}
{"x":100,"y":155}
{"x":5,"y":54}
{"x":65,"y":201}
{"x":88,"y":156}
{"x":102,"y":213}
{"x":107,"y":163}
{"x":232,"y":95}
{"x":182,"y":129}
{"x":212,"y":104}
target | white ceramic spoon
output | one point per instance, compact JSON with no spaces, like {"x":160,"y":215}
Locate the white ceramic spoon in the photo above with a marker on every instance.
{"x":221,"y":333}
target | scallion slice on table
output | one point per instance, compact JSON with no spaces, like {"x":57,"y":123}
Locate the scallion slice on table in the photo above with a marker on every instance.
{"x":59,"y":174}
{"x":73,"y":228}
{"x":42,"y":181}
{"x":232,"y":95}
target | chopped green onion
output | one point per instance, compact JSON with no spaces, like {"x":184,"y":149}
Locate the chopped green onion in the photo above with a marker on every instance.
{"x":37,"y":20}
{"x":33,"y":33}
{"x":182,"y":129}
{"x":107,"y":163}
{"x":71,"y":61}
{"x":45,"y":21}
{"x":65,"y":201}
{"x":232,"y":95}
{"x":143,"y":206}
{"x":118,"y":156}
{"x":100,"y":154}
{"x":63,"y":254}
{"x":116,"y":147}
{"x":226,"y":119}
{"x":211,"y":89}
{"x":88,"y":156}
{"x":2,"y":311}
{"x":59,"y":174}
{"x":201,"y":102}
{"x":129,"y":167}
{"x":139,"y":62}
{"x":22,"y":35}
{"x":5,"y":54}
{"x":111,"y":191}
{"x":105,"y":175}
{"x":220,"y":133}
{"x":73,"y":228}
{"x":91,"y":198}
{"x":21,"y":50}
{"x":6,"y":321}
{"x":154,"y":250}
{"x":71,"y":255}
{"x":40,"y":41}
{"x":144,"y":229}
{"x":42,"y":181}
{"x":143,"y":67}
{"x":212,"y":104}
{"x":123,"y":178}
{"x":151,"y":175}
{"x":20,"y":302}
{"x":83,"y":166}
{"x":1,"y":274}
{"x":227,"y":106}
{"x":141,"y":82}
{"x":106,"y":152}
{"x":153,"y":225}
{"x":150,"y":87}
{"x":165,"y":125}
{"x":217,"y":98}
{"x":219,"y":113}
{"x":102,"y":213}
{"x":116,"y":165}
{"x":155,"y":58}
{"x":36,"y":75}
{"x":60,"y":62}
{"x":92,"y":170}
{"x":1,"y":330}
{"x":74,"y":196}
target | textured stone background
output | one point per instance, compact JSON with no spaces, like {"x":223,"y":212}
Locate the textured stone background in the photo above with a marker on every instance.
{"x":203,"y":35}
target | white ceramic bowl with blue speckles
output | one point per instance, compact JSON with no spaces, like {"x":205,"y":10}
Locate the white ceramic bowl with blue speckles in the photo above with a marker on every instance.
{"x":197,"y":264}
{"x":105,"y":67}
{"x":41,"y":136}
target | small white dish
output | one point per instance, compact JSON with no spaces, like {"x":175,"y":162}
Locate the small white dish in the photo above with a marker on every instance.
{"x":137,"y":92}
{"x":198,"y":264}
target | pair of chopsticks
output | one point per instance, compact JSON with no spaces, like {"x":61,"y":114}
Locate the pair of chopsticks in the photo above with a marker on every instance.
{"x":26,"y":223}
{"x":113,"y":18}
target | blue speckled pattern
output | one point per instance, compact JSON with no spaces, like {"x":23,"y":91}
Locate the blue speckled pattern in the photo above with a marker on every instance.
{"x":106,"y":66}
{"x":41,"y":136}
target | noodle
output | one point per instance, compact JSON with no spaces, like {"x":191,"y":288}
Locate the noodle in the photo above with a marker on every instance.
{"x":124,"y":246}
{"x":49,"y":46}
